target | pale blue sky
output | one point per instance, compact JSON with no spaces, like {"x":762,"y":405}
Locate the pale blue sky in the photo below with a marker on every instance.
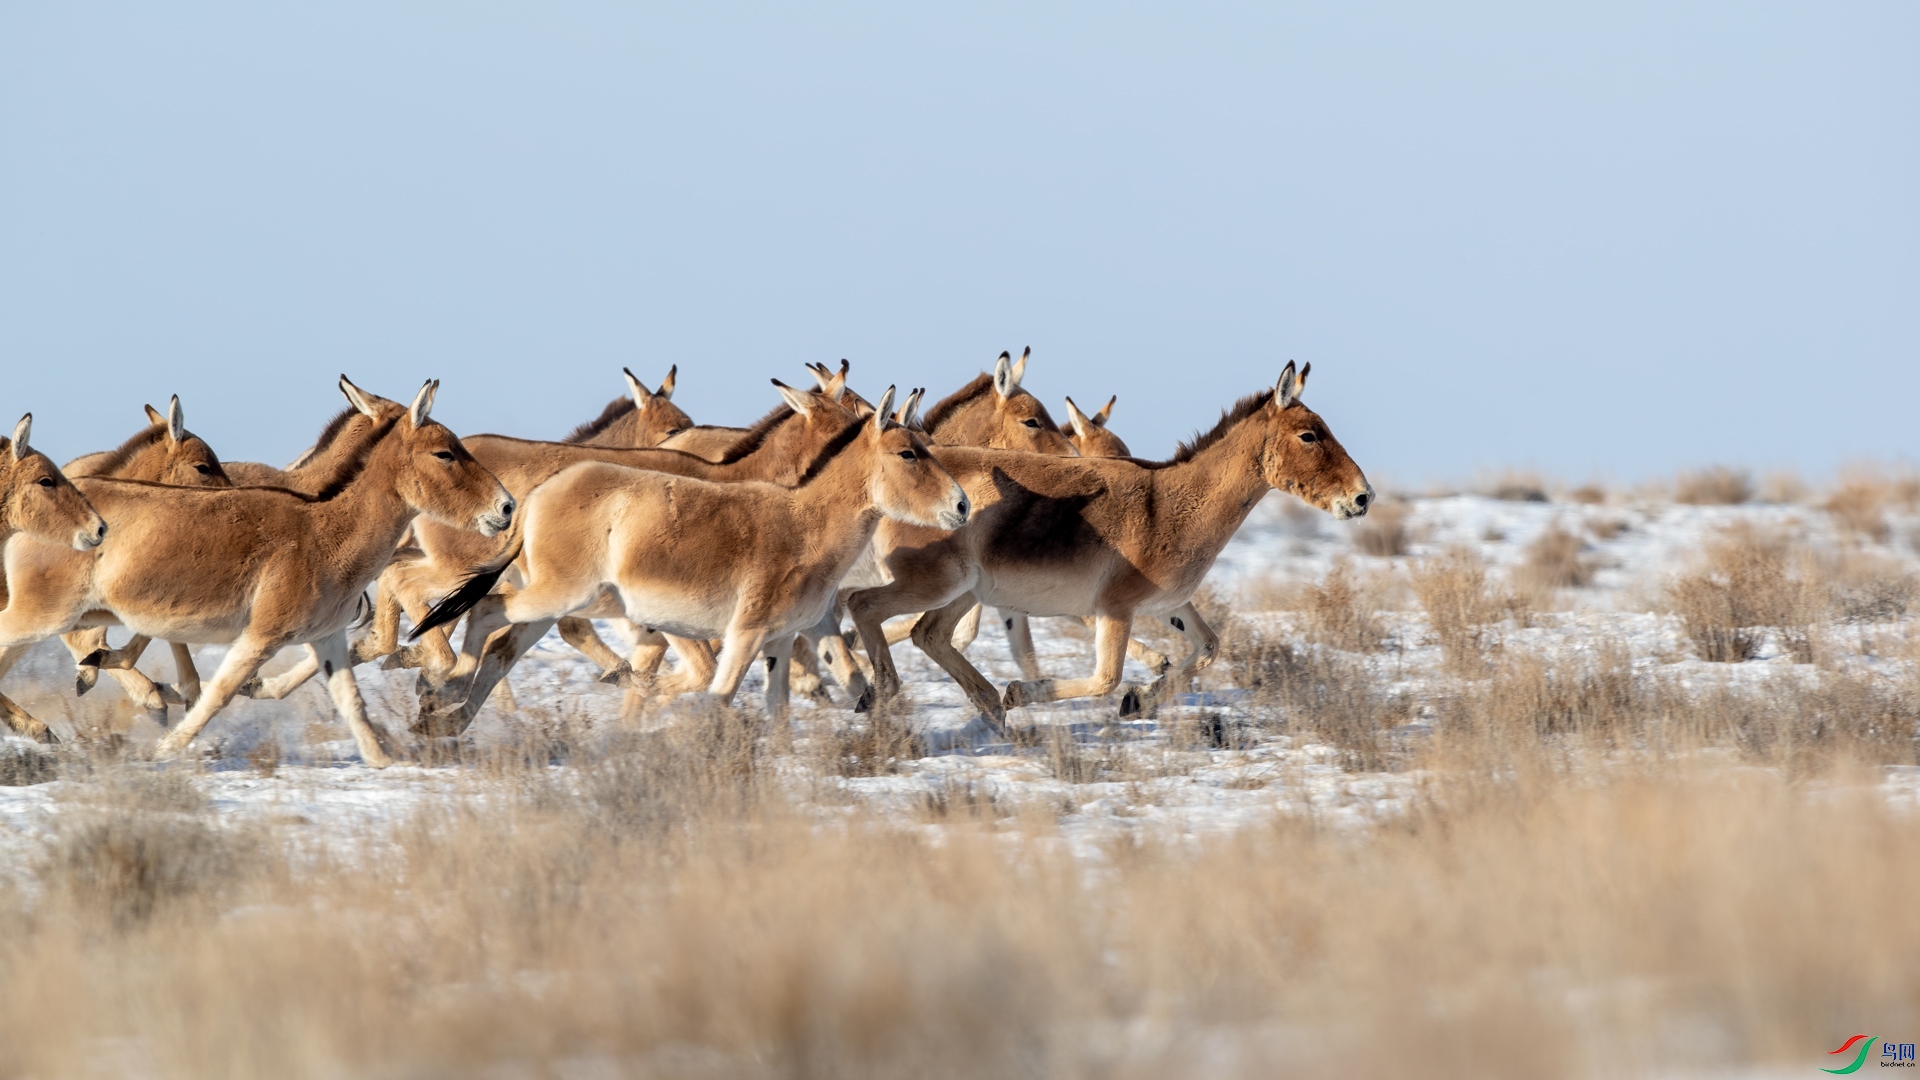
{"x":1618,"y":237}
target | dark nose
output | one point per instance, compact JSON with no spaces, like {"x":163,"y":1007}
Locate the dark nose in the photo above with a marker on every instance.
{"x":506,"y":510}
{"x":101,"y":532}
{"x":1360,"y":500}
{"x":962,"y":508}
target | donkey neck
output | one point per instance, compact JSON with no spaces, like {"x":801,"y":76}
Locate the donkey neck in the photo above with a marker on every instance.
{"x":367,"y":514}
{"x":1212,"y":492}
{"x":838,"y":496}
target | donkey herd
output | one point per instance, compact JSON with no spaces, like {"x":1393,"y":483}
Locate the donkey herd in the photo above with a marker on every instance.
{"x":724,"y":544}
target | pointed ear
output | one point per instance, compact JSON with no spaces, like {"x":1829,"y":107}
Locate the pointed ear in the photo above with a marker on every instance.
{"x":1286,"y":388}
{"x":642,"y":397}
{"x":153,"y":415}
{"x":909,"y":415}
{"x":176,"y":421}
{"x":666,"y":384}
{"x":20,"y":432}
{"x":797,"y":400}
{"x":1100,"y":418}
{"x":1076,"y":418}
{"x":835,"y":385}
{"x":1004,"y":383}
{"x":820,"y":372}
{"x":1020,"y":366}
{"x":357,"y":397}
{"x":423,"y":402}
{"x":1300,"y":384}
{"x":882,"y":411}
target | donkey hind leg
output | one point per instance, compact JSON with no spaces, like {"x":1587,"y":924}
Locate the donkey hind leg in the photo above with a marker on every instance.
{"x":447,"y":711}
{"x":384,"y":638}
{"x":1206,"y":645}
{"x":803,"y":672}
{"x":377,"y":746}
{"x":934,"y":635}
{"x":580,"y":634}
{"x":743,"y":645}
{"x":85,"y":645}
{"x":836,"y":654}
{"x":779,"y":654}
{"x":1109,"y":657}
{"x":285,"y":683}
{"x":871,"y":608}
{"x":243,"y":659}
{"x":16,"y":717}
{"x":1020,"y":644}
{"x":91,"y":653}
{"x":186,"y":677}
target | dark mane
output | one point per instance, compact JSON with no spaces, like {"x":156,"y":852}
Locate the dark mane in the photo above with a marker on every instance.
{"x":117,"y":458}
{"x":350,"y":466}
{"x":830,"y":451}
{"x":327,"y":435}
{"x":951,"y":404}
{"x":615,"y":409}
{"x":756,"y":435}
{"x":1229,"y":419}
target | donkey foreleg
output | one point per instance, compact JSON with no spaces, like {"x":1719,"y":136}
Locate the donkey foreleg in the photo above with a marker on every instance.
{"x":1020,"y":644}
{"x":1110,"y":634}
{"x":89,"y":650}
{"x":934,"y":635}
{"x":243,"y":659}
{"x":336,"y":665}
{"x":779,"y":654}
{"x":580,"y":634}
{"x":444,"y":714}
{"x":25,"y":722}
{"x":1205,"y":646}
{"x":284,"y":683}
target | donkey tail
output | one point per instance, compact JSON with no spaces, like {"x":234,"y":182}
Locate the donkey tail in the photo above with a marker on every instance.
{"x":461,"y":600}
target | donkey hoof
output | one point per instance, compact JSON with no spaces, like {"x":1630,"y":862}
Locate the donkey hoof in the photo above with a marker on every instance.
{"x":1016,"y":695}
{"x":1130,"y":704}
{"x":94,"y":659}
{"x":84,"y":680}
{"x":251,"y":687}
{"x":620,"y":675}
{"x":865,"y":702}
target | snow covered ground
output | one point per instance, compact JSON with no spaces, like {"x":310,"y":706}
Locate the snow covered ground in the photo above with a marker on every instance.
{"x":1633,"y":546}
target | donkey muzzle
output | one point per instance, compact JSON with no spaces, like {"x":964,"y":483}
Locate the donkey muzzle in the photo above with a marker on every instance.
{"x":955,"y":516}
{"x":1354,"y":505}
{"x":497,"y":522}
{"x":87,"y":540}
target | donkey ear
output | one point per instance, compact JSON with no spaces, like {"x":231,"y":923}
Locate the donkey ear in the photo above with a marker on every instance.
{"x":153,"y":415}
{"x":883,"y":410}
{"x":642,"y":397}
{"x":1004,"y":382}
{"x":358,"y":397}
{"x":176,"y":421}
{"x":835,"y":385}
{"x":666,"y":384}
{"x":909,"y":415}
{"x":1020,"y":366}
{"x":1078,"y":420}
{"x":20,"y":432}
{"x":1287,"y":388}
{"x":1300,"y":384}
{"x":423,"y":402}
{"x":1100,"y":418}
{"x":797,"y":400}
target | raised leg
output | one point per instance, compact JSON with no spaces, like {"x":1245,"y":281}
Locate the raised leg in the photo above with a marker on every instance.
{"x":447,"y":710}
{"x":284,"y":683}
{"x":24,"y":722}
{"x":1109,"y":657}
{"x":908,"y":593}
{"x":90,"y":652}
{"x":243,"y":660}
{"x":580,"y":634}
{"x":934,"y":634}
{"x":336,"y":665}
{"x":1205,"y":647}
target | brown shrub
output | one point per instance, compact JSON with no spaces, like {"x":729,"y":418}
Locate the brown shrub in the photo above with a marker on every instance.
{"x":1555,"y":560}
{"x":1517,"y":487}
{"x":1749,"y":581}
{"x":1591,"y":494}
{"x":1717,"y":486}
{"x":1308,"y":689}
{"x":1783,"y":487}
{"x":1383,"y":532}
{"x":1454,"y":592}
{"x":1859,"y":507}
{"x":1605,"y":528}
{"x":1340,"y":612}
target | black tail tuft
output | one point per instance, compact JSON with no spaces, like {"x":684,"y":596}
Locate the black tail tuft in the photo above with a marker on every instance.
{"x":461,"y":600}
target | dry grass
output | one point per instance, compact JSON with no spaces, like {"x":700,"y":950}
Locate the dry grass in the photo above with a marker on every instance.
{"x":1748,"y":582}
{"x":1589,"y":494}
{"x":1557,"y":559}
{"x":1717,"y":486}
{"x":1461,"y":604}
{"x":1515,"y":486}
{"x":1383,"y":532}
{"x":1340,"y":611}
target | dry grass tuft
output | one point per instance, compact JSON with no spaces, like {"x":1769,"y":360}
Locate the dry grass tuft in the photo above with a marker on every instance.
{"x":1749,"y":581}
{"x":1556,"y":559}
{"x":1589,"y":494}
{"x":1340,"y":612}
{"x":1516,"y":487}
{"x":1453,"y":589}
{"x":1383,"y":532}
{"x":1783,"y":487}
{"x":1716,"y":486}
{"x":1308,"y":689}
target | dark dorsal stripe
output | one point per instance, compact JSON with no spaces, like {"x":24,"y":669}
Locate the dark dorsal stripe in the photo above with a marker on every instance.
{"x":830,"y":451}
{"x":117,"y":458}
{"x":351,"y":465}
{"x":756,"y":435}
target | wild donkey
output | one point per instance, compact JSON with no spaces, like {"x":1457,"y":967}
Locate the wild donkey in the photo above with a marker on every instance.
{"x":1110,"y":538}
{"x":754,"y":562}
{"x":261,"y":568}
{"x":37,"y":501}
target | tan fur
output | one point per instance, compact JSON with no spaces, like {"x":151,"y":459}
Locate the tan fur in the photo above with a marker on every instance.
{"x":993,"y":411}
{"x":1107,"y":538}
{"x":754,"y":562}
{"x":261,"y":568}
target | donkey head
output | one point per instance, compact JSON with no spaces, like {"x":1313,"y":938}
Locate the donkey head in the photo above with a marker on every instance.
{"x":436,"y":474}
{"x":1089,"y":434}
{"x":175,"y":455}
{"x":37,"y":499}
{"x":907,"y":483}
{"x":834,"y":385}
{"x":1302,"y":456}
{"x":657,"y":418}
{"x":1000,"y":416}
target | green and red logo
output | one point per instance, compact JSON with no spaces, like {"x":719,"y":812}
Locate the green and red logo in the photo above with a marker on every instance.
{"x":1895,"y":1055}
{"x":1859,"y":1059}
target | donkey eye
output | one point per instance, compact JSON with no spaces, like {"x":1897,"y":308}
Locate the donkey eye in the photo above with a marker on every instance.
{"x":1308,"y":436}
{"x":203,"y":470}
{"x":46,"y":481}
{"x":443,"y":455}
{"x":675,"y":431}
{"x":1031,"y":422}
{"x":910,"y":455}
